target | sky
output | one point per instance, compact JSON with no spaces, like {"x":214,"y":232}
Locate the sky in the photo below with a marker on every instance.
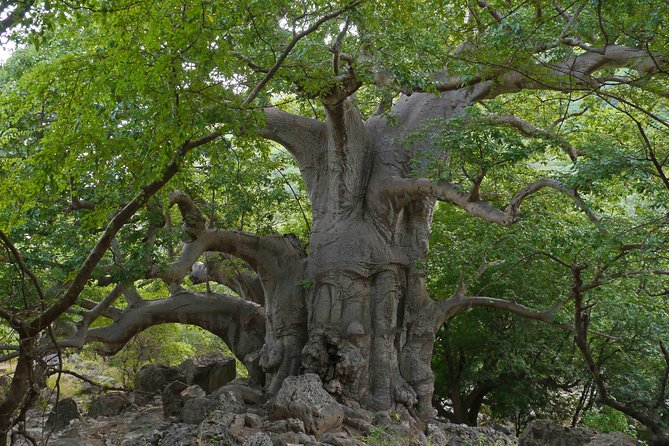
{"x":5,"y":50}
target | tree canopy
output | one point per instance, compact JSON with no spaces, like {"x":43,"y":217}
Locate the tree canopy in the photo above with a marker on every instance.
{"x":275,"y":171}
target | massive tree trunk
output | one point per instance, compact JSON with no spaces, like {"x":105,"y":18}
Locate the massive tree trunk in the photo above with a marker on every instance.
{"x":371,"y":324}
{"x":354,"y":306}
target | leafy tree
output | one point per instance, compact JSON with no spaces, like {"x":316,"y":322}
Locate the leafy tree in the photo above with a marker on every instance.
{"x":115,"y":111}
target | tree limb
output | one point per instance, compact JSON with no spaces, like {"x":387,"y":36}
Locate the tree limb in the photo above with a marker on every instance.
{"x":296,"y":38}
{"x":304,"y":138}
{"x":527,"y":129}
{"x":459,"y":302}
{"x":113,"y":227}
{"x":239,"y":323}
{"x":405,"y":190}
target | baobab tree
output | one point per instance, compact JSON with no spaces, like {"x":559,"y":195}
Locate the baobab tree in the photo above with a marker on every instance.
{"x":360,"y":94}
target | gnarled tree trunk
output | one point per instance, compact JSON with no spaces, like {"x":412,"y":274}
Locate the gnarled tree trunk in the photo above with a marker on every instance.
{"x":371,"y":324}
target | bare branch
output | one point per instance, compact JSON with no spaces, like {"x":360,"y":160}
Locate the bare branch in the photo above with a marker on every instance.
{"x":103,"y":243}
{"x":406,"y":190}
{"x":492,"y":11}
{"x":296,"y":38}
{"x":458,"y":302}
{"x":528,"y":129}
{"x":239,"y":323}
{"x":514,"y":206}
{"x":102,"y":386}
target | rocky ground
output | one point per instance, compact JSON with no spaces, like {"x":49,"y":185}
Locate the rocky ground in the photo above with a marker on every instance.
{"x":198,"y":404}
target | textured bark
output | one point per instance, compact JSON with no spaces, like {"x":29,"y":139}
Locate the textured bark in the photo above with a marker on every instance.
{"x":238,"y":323}
{"x":370,"y":323}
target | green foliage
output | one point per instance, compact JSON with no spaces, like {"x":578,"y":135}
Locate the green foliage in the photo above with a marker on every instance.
{"x":608,"y":420}
{"x":101,"y":95}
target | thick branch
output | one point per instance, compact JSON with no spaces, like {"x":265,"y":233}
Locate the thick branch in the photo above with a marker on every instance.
{"x":240,"y":324}
{"x":193,"y":220}
{"x":100,"y":309}
{"x":120,"y":219}
{"x":303,"y":137}
{"x":224,"y":271}
{"x":528,"y":129}
{"x":261,"y":253}
{"x":458,"y":302}
{"x":405,"y":190}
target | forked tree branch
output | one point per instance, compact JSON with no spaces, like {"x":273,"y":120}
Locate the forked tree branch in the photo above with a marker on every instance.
{"x":239,"y":323}
{"x":459,"y":302}
{"x":287,"y":50}
{"x":406,"y":189}
{"x":528,"y":129}
{"x":104,"y":242}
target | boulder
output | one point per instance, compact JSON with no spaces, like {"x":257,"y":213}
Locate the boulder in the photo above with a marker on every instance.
{"x":221,"y":428}
{"x":303,"y":397}
{"x":612,"y":439}
{"x":228,"y":401}
{"x":209,"y":372}
{"x":249,"y":394}
{"x":154,"y":378}
{"x":191,"y":392}
{"x":258,"y":439}
{"x":435,"y":435}
{"x":179,"y":434}
{"x":60,"y":416}
{"x":448,"y":434}
{"x":548,"y":433}
{"x":144,"y":428}
{"x":283,"y":426}
{"x":108,"y":405}
{"x":195,"y":409}
{"x":171,"y":398}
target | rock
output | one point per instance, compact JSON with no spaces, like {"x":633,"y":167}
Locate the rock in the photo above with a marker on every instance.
{"x":61,"y":415}
{"x":228,"y":401}
{"x":179,"y":434}
{"x":144,"y":429}
{"x":171,"y":398}
{"x":66,"y":442}
{"x":214,"y":432}
{"x":153,"y":378}
{"x":258,"y":439}
{"x":463,"y":435}
{"x":209,"y":372}
{"x":548,"y":433}
{"x":252,"y":420}
{"x":341,"y":440}
{"x":191,"y":392}
{"x":435,"y":435}
{"x":283,"y":426}
{"x":303,"y":397}
{"x":232,"y":421}
{"x":195,"y":409}
{"x":249,"y":394}
{"x":108,"y":405}
{"x":612,"y":439}
{"x":141,"y":398}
